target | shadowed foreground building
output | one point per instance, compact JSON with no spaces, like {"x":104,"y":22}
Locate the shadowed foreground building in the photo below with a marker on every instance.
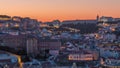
{"x":18,"y":42}
{"x":32,"y":45}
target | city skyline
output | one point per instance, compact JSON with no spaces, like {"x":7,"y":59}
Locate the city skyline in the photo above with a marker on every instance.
{"x":46,"y":10}
{"x":59,"y":34}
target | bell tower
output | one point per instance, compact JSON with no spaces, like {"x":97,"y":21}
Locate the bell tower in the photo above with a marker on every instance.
{"x":97,"y":18}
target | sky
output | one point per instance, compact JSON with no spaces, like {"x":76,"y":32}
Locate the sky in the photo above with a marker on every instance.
{"x":48,"y":10}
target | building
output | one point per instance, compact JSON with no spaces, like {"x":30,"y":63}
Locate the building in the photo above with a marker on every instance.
{"x":106,"y":19}
{"x":16,"y":18}
{"x":53,"y":46}
{"x":13,"y":41}
{"x":56,"y":23}
{"x":2,"y":25}
{"x":4,"y":17}
{"x":109,"y":37}
{"x":117,"y":19}
{"x":83,"y":56}
{"x":31,"y":46}
{"x":97,"y":18}
{"x":79,"y":22}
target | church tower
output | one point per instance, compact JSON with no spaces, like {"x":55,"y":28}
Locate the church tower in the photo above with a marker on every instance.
{"x":97,"y":18}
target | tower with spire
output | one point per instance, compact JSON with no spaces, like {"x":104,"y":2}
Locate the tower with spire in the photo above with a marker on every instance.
{"x":97,"y":18}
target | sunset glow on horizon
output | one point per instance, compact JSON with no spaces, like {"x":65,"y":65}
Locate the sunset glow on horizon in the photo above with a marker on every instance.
{"x":48,"y":10}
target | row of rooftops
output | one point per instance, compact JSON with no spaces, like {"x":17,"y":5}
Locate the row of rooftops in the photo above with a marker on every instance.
{"x":5,"y":35}
{"x":4,"y":18}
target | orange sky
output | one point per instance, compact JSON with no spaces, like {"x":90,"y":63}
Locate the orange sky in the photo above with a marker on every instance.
{"x":48,"y":10}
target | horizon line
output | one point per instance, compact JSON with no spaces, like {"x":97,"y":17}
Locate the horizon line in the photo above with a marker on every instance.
{"x":56,"y":19}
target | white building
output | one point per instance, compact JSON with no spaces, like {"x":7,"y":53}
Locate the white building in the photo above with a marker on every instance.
{"x":106,"y":19}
